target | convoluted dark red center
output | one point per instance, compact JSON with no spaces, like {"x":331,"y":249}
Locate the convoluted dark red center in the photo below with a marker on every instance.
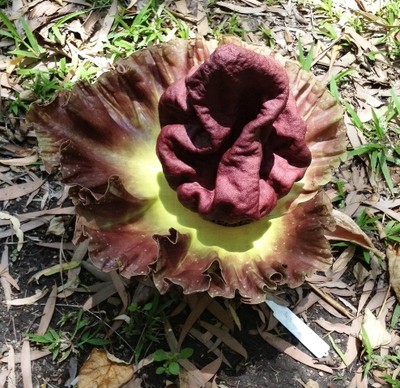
{"x":231,"y":141}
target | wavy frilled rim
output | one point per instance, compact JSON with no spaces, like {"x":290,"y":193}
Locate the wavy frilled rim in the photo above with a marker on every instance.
{"x":104,"y":137}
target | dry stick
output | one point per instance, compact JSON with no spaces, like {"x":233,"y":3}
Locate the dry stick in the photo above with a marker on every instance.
{"x":324,"y":52}
{"x":331,"y":301}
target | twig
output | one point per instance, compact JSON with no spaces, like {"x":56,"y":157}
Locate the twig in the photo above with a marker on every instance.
{"x":331,"y":301}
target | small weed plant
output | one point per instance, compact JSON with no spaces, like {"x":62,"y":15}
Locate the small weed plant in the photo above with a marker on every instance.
{"x":65,"y":342}
{"x":146,"y":324}
{"x":375,"y":361}
{"x":170,"y":360}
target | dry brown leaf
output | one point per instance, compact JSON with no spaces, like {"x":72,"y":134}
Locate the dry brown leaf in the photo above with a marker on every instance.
{"x":16,"y":225}
{"x":35,"y":355}
{"x":378,"y":300}
{"x":352,"y":343}
{"x":4,"y":178}
{"x":48,"y":311}
{"x":99,"y":371}
{"x":20,"y":161}
{"x":393,"y":255}
{"x":233,"y":314}
{"x":211,"y":369}
{"x":27,"y":226}
{"x":29,"y":300}
{"x":340,"y":292}
{"x":26,"y":366}
{"x":12,"y":382}
{"x":290,"y":350}
{"x":385,"y":209}
{"x":106,"y":25}
{"x":3,"y":376}
{"x":194,"y":315}
{"x":336,"y":284}
{"x":221,"y":314}
{"x":225,"y":337}
{"x":305,"y":303}
{"x":120,"y":288}
{"x":360,"y":273}
{"x":54,"y":212}
{"x":337,"y":327}
{"x":344,"y":259}
{"x":240,"y":9}
{"x":80,"y":252}
{"x":98,"y":274}
{"x":107,"y":290}
{"x":364,"y":45}
{"x":208,"y":344}
{"x":331,"y":310}
{"x":348,"y":230}
{"x":203,"y":27}
{"x":347,"y":304}
{"x":366,"y":293}
{"x":4,"y":274}
{"x":16,"y":191}
{"x":190,"y":376}
{"x":57,"y":245}
{"x":385,"y":312}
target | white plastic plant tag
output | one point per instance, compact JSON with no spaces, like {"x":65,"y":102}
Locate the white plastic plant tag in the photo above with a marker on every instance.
{"x":311,"y":340}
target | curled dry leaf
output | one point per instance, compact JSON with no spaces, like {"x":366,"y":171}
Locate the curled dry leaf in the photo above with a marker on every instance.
{"x":99,"y":370}
{"x":56,"y":227}
{"x":347,"y":230}
{"x":29,"y":300}
{"x":16,"y":226}
{"x":374,"y":330}
{"x":393,"y":255}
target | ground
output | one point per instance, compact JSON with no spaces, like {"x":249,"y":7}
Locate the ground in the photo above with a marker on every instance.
{"x":56,"y":308}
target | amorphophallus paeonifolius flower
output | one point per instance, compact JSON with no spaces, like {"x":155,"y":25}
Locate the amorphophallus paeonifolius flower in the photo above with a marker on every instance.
{"x":199,"y":163}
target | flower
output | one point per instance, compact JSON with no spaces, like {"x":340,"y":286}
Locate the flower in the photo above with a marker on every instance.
{"x":231,"y":201}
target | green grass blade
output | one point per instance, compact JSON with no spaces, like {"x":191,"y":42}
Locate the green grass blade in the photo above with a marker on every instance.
{"x":10,"y":26}
{"x":385,"y":172}
{"x":374,"y":160}
{"x":334,"y":88}
{"x":354,"y":116}
{"x":6,"y":34}
{"x":395,"y":317}
{"x":70,"y":16}
{"x":364,"y":149}
{"x":377,"y":125}
{"x":396,"y":101}
{"x":24,"y":53}
{"x":33,"y":43}
{"x":305,"y":62}
{"x":337,"y":350}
